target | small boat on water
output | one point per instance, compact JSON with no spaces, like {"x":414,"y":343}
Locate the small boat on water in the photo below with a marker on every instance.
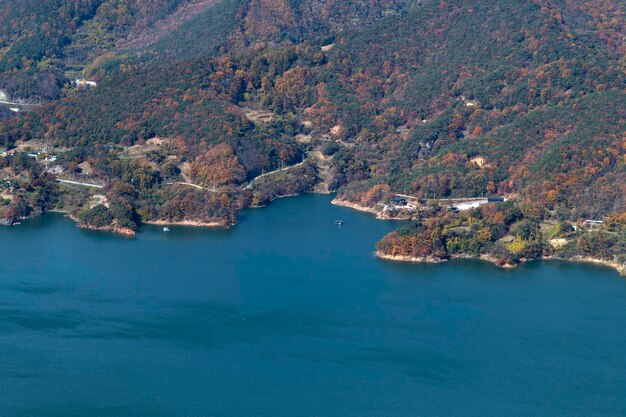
{"x":166,"y":229}
{"x":338,"y":222}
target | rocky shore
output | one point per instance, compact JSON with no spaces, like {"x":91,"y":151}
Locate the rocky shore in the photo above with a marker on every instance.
{"x":113,"y":228}
{"x":620,"y":268}
{"x":193,"y":223}
{"x":415,"y":259}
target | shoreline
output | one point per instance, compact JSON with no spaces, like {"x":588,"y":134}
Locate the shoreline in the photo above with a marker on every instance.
{"x":413,"y":259}
{"x":111,"y":228}
{"x":345,"y":203}
{"x":621,"y":269}
{"x":128,"y":232}
{"x":123,"y":231}
{"x":379,"y":214}
{"x":184,"y":223}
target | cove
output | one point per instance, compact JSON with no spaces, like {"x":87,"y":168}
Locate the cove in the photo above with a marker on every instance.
{"x":288,"y":314}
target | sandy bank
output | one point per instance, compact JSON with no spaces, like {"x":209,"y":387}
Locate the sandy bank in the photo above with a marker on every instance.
{"x":621,"y":268}
{"x":379,"y":213}
{"x":186,"y":223}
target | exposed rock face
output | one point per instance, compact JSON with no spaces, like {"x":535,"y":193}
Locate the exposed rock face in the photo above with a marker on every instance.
{"x":113,"y":227}
{"x":124,"y":231}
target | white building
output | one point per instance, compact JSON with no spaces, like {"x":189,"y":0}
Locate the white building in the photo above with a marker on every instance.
{"x":80,"y":82}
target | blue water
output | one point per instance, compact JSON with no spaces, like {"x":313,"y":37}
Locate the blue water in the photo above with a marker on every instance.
{"x":290,"y":315}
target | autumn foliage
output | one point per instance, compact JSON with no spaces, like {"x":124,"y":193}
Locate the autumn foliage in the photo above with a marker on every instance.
{"x":218,"y":166}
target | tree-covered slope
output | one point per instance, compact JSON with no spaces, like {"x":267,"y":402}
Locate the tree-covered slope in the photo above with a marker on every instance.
{"x":569,"y":156}
{"x":428,"y":98}
{"x":513,"y":83}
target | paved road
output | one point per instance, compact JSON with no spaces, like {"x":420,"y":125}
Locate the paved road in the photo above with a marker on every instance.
{"x":443,"y":199}
{"x":247,"y":187}
{"x":84,"y":184}
{"x":9,"y":103}
{"x":199,"y":187}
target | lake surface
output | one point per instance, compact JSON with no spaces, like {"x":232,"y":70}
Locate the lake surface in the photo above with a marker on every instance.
{"x":290,"y":315}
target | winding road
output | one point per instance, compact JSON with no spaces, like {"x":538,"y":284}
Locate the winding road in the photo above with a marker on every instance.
{"x":247,"y":187}
{"x":84,"y":184}
{"x":10,"y":103}
{"x":199,"y":187}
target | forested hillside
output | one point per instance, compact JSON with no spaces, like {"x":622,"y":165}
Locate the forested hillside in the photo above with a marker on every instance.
{"x":426,"y":98}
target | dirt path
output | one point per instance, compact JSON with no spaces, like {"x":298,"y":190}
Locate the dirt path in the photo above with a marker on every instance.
{"x":323,"y":165}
